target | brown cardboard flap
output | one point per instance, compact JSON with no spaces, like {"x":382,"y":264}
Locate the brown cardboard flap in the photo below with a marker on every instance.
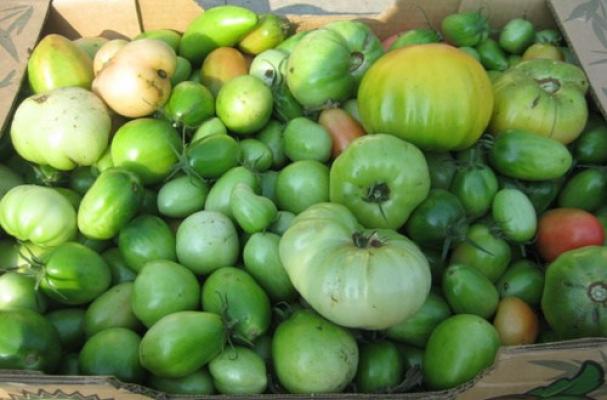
{"x":20,"y":24}
{"x":584,"y":24}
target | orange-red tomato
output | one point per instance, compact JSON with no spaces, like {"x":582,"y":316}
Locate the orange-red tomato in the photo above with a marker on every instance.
{"x":342,"y":127}
{"x":515,"y":322}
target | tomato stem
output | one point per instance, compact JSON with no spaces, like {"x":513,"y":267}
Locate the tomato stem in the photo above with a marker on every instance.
{"x":549,"y":85}
{"x":598,"y":292}
{"x":363,"y":241}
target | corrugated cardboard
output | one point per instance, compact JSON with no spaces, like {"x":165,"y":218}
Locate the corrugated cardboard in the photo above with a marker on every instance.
{"x":518,"y":371}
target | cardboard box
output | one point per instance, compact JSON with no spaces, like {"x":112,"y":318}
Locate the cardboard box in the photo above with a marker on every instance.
{"x":524,"y":372}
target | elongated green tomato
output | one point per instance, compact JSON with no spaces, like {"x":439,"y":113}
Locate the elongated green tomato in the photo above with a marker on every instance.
{"x":183,"y":70}
{"x":282,"y":222}
{"x":416,"y":330}
{"x":420,"y":78}
{"x":442,"y":168}
{"x":63,"y":128}
{"x":465,"y":29}
{"x":524,"y":280}
{"x":262,"y":260}
{"x":414,"y":37}
{"x":238,"y":370}
{"x":220,"y":194}
{"x":468,"y":291}
{"x":586,"y":190}
{"x":221,"y":66}
{"x":210,"y":127}
{"x":517,"y":35}
{"x":475,"y":186}
{"x":484,"y":251}
{"x":272,"y":135}
{"x":514,"y":214}
{"x":120,"y":271}
{"x":114,"y":351}
{"x":190,"y":104}
{"x":146,"y":238}
{"x":169,"y":36}
{"x":74,"y":274}
{"x":163,"y":287}
{"x":29,"y":341}
{"x":213,"y":156}
{"x":182,"y":196}
{"x":57,"y":62}
{"x":389,"y":267}
{"x":368,"y":178}
{"x":313,"y":355}
{"x":255,"y":155}
{"x":19,"y":291}
{"x":69,"y":324}
{"x":270,"y":31}
{"x":206,"y":241}
{"x":302,"y":184}
{"x":524,"y":155}
{"x":458,"y":349}
{"x":591,"y":146}
{"x":37,"y":214}
{"x":111,"y":309}
{"x":110,"y":203}
{"x":541,"y":193}
{"x":491,"y":55}
{"x":305,"y":139}
{"x":235,"y":294}
{"x":198,"y":382}
{"x":252,"y":212}
{"x":147,"y":147}
{"x":217,"y":27}
{"x":380,"y":367}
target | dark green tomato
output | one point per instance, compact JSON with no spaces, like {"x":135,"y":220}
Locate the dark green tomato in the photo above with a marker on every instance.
{"x":413,"y":357}
{"x":492,"y":56}
{"x":440,"y":217}
{"x":417,"y":329}
{"x":146,"y":238}
{"x":468,"y":291}
{"x":416,"y":36}
{"x":524,"y":280}
{"x":114,"y":352}
{"x":74,"y":274}
{"x":8,"y":179}
{"x":182,"y":196}
{"x":69,"y":324}
{"x":380,"y":367}
{"x":282,"y":222}
{"x":28,"y":341}
{"x":190,"y":104}
{"x":484,"y":251}
{"x":548,"y":36}
{"x":19,"y":290}
{"x":465,"y":29}
{"x":268,"y":184}
{"x":212,"y":156}
{"x":82,"y":178}
{"x":149,"y":203}
{"x":517,"y":35}
{"x":591,"y":146}
{"x":220,"y":195}
{"x":72,"y":196}
{"x":197,"y":383}
{"x":437,"y":264}
{"x":210,"y":127}
{"x":69,"y":365}
{"x":442,"y":168}
{"x":237,"y":371}
{"x":235,"y":293}
{"x":255,"y":155}
{"x":162,"y":288}
{"x":302,"y":184}
{"x":120,"y":271}
{"x":475,"y":186}
{"x":541,"y":193}
{"x":286,"y":107}
{"x":183,"y":70}
{"x":111,"y":310}
{"x":586,"y":190}
{"x":263,"y":348}
{"x":272,"y":136}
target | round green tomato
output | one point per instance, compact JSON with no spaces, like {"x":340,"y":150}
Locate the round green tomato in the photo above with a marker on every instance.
{"x":238,"y":370}
{"x":591,"y":146}
{"x":458,"y":349}
{"x":115,"y":352}
{"x":198,"y":382}
{"x":255,"y":155}
{"x":465,"y":29}
{"x":380,"y":367}
{"x":524,"y":280}
{"x":82,"y":178}
{"x":29,"y":341}
{"x":468,"y":291}
{"x":586,"y":189}
{"x":146,"y":238}
{"x":74,"y":274}
{"x":313,"y":355}
{"x":147,"y":147}
{"x":212,"y":156}
{"x":302,"y":184}
{"x":120,"y":271}
{"x":19,"y":291}
{"x":442,"y":168}
{"x":112,"y":309}
{"x":210,"y":127}
{"x":475,"y":186}
{"x":37,"y":214}
{"x":182,"y":343}
{"x":244,"y":104}
{"x":190,"y":104}
{"x":69,"y":323}
{"x":305,"y":139}
{"x":182,"y":196}
{"x":162,"y":288}
{"x":517,"y":35}
{"x":272,"y":135}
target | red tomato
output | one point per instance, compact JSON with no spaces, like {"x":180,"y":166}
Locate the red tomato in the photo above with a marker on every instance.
{"x":342,"y":127}
{"x":563,"y":229}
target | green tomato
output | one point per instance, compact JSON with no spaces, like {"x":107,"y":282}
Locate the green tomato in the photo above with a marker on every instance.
{"x":255,"y":155}
{"x":69,"y":365}
{"x":183,"y":70}
{"x":517,"y":35}
{"x":69,"y":324}
{"x":591,"y":146}
{"x":206,"y":241}
{"x":465,"y":29}
{"x":82,"y":178}
{"x":492,"y":56}
{"x":147,"y":147}
{"x":586,"y":189}
{"x":282,"y":222}
{"x":468,"y":291}
{"x":390,"y":270}
{"x":212,"y":156}
{"x":458,"y":349}
{"x":220,"y":194}
{"x":146,"y":238}
{"x":414,"y":37}
{"x":524,"y":280}
{"x":268,"y":185}
{"x":19,"y":291}
{"x":37,"y":214}
{"x":74,"y":274}
{"x":442,"y":168}
{"x":301,"y":184}
{"x":8,"y":179}
{"x":190,"y":104}
{"x":111,"y":309}
{"x":313,"y":355}
{"x":515,"y":215}
{"x":305,"y":139}
{"x":210,"y":127}
{"x":289,"y":44}
{"x":272,"y":135}
{"x":475,"y":186}
{"x":238,"y":370}
{"x":162,"y":288}
{"x":182,"y":196}
{"x":118,"y":267}
{"x":181,"y":343}
{"x":380,"y":367}
{"x":266,"y":66}
{"x":198,"y":382}
{"x":252,"y":212}
{"x":234,"y":292}
{"x":114,"y":351}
